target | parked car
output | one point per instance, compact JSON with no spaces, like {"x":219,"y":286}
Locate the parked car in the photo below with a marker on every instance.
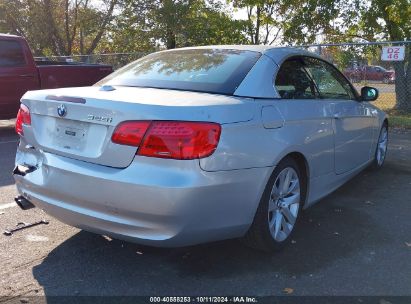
{"x":370,"y":74}
{"x":197,"y":144}
{"x":19,"y":73}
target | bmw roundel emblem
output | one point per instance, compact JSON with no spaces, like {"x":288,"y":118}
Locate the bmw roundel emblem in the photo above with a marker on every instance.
{"x":62,"y":110}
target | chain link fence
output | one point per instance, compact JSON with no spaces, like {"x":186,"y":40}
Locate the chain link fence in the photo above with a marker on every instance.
{"x":360,"y":62}
{"x":117,"y":60}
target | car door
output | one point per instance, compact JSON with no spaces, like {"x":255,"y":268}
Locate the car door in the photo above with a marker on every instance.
{"x":309,"y":118}
{"x":353,"y":120}
{"x":16,"y":76}
{"x":378,"y":74}
{"x":374,"y":74}
{"x":370,"y":74}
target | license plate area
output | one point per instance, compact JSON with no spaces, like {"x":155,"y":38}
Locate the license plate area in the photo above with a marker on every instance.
{"x":71,"y":135}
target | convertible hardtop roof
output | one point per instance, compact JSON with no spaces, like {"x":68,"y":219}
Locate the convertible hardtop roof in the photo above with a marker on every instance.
{"x":243,"y":47}
{"x":264,"y":69}
{"x":278,"y":53}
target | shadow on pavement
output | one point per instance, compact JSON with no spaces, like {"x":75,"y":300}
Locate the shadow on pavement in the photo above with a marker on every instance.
{"x":120,"y":268}
{"x":350,"y":232}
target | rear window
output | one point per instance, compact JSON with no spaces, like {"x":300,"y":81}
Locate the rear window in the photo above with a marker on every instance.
{"x":11,"y":54}
{"x":204,"y":70}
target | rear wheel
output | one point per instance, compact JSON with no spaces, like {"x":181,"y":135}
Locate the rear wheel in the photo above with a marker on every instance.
{"x":279,"y":208}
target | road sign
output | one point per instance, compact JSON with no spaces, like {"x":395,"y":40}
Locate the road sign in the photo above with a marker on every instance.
{"x":393,"y":53}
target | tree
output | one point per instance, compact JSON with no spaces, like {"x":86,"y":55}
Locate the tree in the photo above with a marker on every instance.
{"x":264,"y":19}
{"x":25,"y":18}
{"x":162,"y":18}
{"x":94,"y":24}
{"x":127,"y":35}
{"x":390,"y":20}
{"x":313,"y":21}
{"x":346,"y":21}
{"x":184,"y":22}
{"x":59,"y":27}
{"x":208,"y":24}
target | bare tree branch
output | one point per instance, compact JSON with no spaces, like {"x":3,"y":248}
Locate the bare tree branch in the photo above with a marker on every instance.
{"x":55,"y":36}
{"x":275,"y":36}
{"x":107,"y":18}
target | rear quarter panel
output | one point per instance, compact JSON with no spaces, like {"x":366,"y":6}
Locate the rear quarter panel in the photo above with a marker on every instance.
{"x":304,"y":126}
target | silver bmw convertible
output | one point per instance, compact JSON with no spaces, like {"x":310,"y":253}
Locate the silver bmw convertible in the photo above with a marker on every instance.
{"x":198,"y":144}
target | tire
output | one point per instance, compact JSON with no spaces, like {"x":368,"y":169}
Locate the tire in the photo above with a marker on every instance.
{"x":381,"y":149}
{"x":386,"y":80}
{"x":260,"y":236}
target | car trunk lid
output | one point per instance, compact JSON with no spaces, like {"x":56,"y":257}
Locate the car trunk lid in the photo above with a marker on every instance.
{"x":79,"y":122}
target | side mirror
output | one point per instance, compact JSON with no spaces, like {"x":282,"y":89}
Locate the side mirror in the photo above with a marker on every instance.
{"x":369,"y":94}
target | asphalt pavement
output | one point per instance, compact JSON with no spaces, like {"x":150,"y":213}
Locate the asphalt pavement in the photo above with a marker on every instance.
{"x":355,"y":242}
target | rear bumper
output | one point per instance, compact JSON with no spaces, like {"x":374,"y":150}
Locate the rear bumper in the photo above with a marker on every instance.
{"x":153,"y":201}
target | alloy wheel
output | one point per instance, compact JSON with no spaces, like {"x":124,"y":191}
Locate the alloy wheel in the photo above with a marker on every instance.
{"x":284,"y":204}
{"x":382,"y":146}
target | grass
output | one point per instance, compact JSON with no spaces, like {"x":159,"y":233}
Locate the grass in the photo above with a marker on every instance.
{"x":386,"y":102}
{"x":400,"y":121}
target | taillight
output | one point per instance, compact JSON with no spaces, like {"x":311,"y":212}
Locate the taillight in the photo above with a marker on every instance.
{"x":23,"y":117}
{"x":170,"y":139}
{"x":130,"y":133}
{"x":180,"y":140}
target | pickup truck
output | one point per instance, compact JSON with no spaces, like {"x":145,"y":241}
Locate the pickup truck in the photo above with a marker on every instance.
{"x":370,"y":73}
{"x":19,"y":73}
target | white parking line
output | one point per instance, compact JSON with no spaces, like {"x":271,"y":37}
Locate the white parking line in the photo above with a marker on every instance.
{"x":9,"y":205}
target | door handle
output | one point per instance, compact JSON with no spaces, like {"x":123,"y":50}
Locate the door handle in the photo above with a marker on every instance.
{"x":337,"y":115}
